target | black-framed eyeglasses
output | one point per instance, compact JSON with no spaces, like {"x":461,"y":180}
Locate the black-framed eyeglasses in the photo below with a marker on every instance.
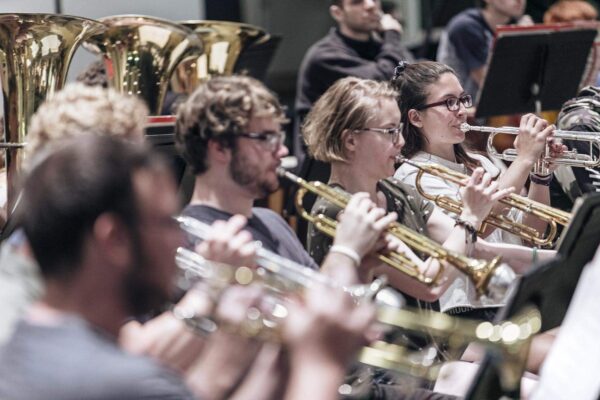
{"x":393,"y":133}
{"x":273,"y":140}
{"x":451,"y":103}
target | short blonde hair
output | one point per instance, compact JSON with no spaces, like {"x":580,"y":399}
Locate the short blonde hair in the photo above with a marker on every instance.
{"x":79,"y":109}
{"x":349,"y":104}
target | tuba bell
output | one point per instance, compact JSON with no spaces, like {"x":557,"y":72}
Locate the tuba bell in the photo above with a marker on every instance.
{"x":223,"y":42}
{"x":141,"y":53}
{"x":35,"y":54}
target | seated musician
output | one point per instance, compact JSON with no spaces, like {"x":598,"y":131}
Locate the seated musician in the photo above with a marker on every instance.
{"x":433,"y":105}
{"x":356,"y":127}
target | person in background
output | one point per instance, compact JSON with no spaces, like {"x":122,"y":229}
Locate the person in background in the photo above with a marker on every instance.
{"x":365,"y":43}
{"x":466,"y":42}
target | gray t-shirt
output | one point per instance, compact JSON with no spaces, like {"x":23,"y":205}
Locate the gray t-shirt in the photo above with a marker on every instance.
{"x":266,"y":226}
{"x":72,"y":360}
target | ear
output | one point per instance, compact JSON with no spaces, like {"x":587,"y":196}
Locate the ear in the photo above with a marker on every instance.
{"x":349,"y":142}
{"x":336,"y":13}
{"x":415,"y":118}
{"x":113,"y":240}
{"x":218,"y":152}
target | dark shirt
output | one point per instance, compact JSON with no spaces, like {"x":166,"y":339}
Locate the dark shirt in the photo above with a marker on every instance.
{"x":413,"y":212}
{"x":336,"y":56}
{"x":466,"y":46}
{"x":74,"y":361}
{"x":265,"y":226}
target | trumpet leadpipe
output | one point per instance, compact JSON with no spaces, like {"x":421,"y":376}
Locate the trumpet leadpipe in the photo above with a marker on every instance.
{"x":511,"y":130}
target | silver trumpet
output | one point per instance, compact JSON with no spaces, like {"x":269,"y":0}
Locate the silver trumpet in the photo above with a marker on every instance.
{"x":280,"y":272}
{"x":570,"y":158}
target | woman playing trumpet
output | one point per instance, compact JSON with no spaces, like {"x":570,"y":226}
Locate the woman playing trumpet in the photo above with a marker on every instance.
{"x":433,"y":105}
{"x":355,"y":126}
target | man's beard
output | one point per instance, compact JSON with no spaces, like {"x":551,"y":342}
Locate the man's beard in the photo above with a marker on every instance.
{"x":141,"y":294}
{"x":247,"y":176}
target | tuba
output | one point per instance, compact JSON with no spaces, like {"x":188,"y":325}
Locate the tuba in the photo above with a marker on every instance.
{"x":223,"y":43}
{"x":35,"y":54}
{"x":141,"y":54}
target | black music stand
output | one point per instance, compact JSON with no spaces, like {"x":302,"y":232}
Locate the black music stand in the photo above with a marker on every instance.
{"x":549,"y":286}
{"x":534,"y":68}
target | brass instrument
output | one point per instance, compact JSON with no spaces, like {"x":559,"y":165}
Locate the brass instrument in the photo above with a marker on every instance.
{"x":489,"y":277}
{"x":552,"y":216}
{"x":569,"y":158}
{"x":141,"y":54}
{"x":291,"y":275}
{"x":35,"y":54}
{"x":509,"y":341}
{"x":223,"y":43}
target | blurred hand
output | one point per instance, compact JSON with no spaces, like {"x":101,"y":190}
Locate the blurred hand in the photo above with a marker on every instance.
{"x":167,"y":338}
{"x":227,"y":356}
{"x":328,"y":328}
{"x":228,"y":243}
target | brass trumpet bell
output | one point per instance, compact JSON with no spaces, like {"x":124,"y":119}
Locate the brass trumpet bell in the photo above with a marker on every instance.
{"x":35,"y":54}
{"x":223,"y":42}
{"x":141,"y":53}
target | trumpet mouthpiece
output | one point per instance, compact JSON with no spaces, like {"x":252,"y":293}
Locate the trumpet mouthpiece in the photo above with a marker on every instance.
{"x":465,"y":127}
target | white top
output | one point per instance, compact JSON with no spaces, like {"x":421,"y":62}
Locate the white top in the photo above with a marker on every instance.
{"x":462,"y":292}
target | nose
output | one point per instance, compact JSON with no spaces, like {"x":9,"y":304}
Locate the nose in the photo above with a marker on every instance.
{"x":400,"y":142}
{"x":370,"y":3}
{"x":282,"y":151}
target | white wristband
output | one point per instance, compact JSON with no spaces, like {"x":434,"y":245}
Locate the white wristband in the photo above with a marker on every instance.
{"x":347,"y":251}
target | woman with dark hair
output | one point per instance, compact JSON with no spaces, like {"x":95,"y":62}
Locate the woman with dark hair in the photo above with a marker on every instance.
{"x":433,"y":106}
{"x":356,"y":127}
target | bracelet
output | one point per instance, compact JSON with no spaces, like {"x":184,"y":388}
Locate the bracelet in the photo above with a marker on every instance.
{"x":540,"y":179}
{"x":469,"y":228}
{"x":347,"y":251}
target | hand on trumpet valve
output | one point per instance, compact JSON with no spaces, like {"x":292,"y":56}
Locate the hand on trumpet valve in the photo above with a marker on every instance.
{"x":228,"y":243}
{"x":361,"y":224}
{"x":555,"y":149}
{"x":479,"y":194}
{"x":532,"y":137}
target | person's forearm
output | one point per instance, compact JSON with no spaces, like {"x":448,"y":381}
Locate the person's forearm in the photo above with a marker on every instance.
{"x":520,"y":258}
{"x":314,"y":380}
{"x":342,"y":269}
{"x":540,"y":194}
{"x":516,"y":175}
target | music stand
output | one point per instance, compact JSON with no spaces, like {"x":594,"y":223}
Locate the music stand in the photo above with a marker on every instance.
{"x":534,"y":68}
{"x":549,"y":286}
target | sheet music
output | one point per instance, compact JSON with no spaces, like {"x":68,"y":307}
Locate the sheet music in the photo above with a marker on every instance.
{"x":572,"y":367}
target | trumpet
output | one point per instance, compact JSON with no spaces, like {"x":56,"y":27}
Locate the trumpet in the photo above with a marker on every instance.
{"x":489,"y":277}
{"x":288,"y":274}
{"x":509,"y":340}
{"x":570,"y":158}
{"x":552,"y":216}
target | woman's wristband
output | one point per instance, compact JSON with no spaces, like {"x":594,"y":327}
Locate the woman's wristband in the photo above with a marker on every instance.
{"x":347,"y":251}
{"x":469,"y":229}
{"x":540,"y":179}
